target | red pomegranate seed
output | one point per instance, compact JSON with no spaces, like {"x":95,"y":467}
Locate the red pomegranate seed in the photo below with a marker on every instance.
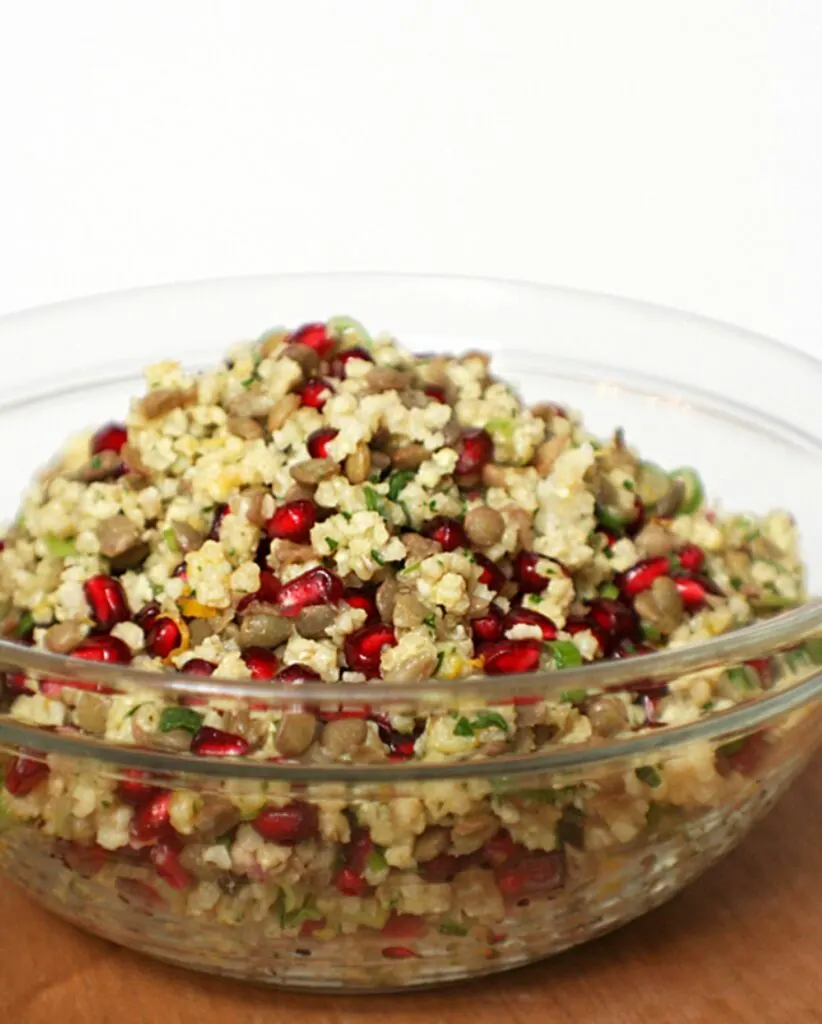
{"x":526,"y":575}
{"x":220,"y":512}
{"x":436,"y":392}
{"x":16,"y":683}
{"x":181,"y":572}
{"x":315,"y":393}
{"x":446,"y":532}
{"x":349,"y":883}
{"x":109,"y":438}
{"x":84,"y":860}
{"x":209,"y":742}
{"x":261,"y":662}
{"x":611,"y":621}
{"x":307,"y":928}
{"x":293,"y":521}
{"x":133,"y":790}
{"x":364,"y":600}
{"x":641,"y":576}
{"x":110,"y":650}
{"x":319,"y":441}
{"x":349,"y":711}
{"x":268,"y":592}
{"x":509,"y":657}
{"x":107,"y":601}
{"x":198,"y":667}
{"x":474,"y":450}
{"x":151,"y":819}
{"x":23,"y":774}
{"x":692,"y":592}
{"x":298,"y":674}
{"x":339,"y":362}
{"x":762,"y":667}
{"x":364,"y":646}
{"x":403,"y":926}
{"x":317,"y":586}
{"x":491,"y":576}
{"x":529,"y":617}
{"x":535,"y":874}
{"x":359,"y":849}
{"x":164,"y":637}
{"x":501,"y":849}
{"x":313,"y":336}
{"x":165,"y":857}
{"x":488,"y":628}
{"x":147,"y":616}
{"x":691,"y":558}
{"x":287,"y":825}
{"x":398,"y":953}
{"x":746,"y":755}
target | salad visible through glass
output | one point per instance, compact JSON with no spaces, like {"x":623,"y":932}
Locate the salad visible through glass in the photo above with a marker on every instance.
{"x":325,"y":506}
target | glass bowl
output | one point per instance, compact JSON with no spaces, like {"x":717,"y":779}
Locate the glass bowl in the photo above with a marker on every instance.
{"x":153,"y":849}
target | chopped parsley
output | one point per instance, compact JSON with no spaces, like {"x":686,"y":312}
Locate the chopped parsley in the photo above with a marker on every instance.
{"x":440,"y":659}
{"x":25,"y":624}
{"x":573,"y":696}
{"x":609,"y":590}
{"x":256,"y":359}
{"x":376,"y":861}
{"x":346,"y":515}
{"x":332,"y":544}
{"x":60,"y":547}
{"x":374,"y":503}
{"x":483,"y":720}
{"x":180,"y":718}
{"x":397,"y":482}
{"x":565,"y":654}
{"x":430,"y":621}
{"x":170,"y":538}
{"x":377,"y":557}
{"x":453,"y":928}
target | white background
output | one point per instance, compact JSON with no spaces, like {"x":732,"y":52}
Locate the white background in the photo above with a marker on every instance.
{"x":665,"y":150}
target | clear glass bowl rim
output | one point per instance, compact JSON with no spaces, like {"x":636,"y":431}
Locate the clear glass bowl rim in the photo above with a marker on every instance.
{"x":783,"y":630}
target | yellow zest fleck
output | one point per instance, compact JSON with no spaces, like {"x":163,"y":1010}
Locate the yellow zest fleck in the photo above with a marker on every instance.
{"x":192,"y":609}
{"x":185,"y":639}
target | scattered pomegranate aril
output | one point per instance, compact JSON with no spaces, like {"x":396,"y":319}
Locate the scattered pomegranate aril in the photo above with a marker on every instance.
{"x":293,"y":521}
{"x":163,"y":637}
{"x":692,"y":592}
{"x":23,"y":774}
{"x":261,"y":663}
{"x":398,"y":953}
{"x":500,"y":849}
{"x":364,"y":600}
{"x":359,"y":849}
{"x":220,"y":512}
{"x":762,"y":667}
{"x":109,"y":438}
{"x":534,"y":874}
{"x":287,"y":825}
{"x":165,"y":857}
{"x":436,"y":392}
{"x":209,"y":742}
{"x":151,"y":819}
{"x":491,"y":576}
{"x":319,"y":441}
{"x":641,"y":576}
{"x":198,"y":667}
{"x":691,"y":558}
{"x":147,"y":616}
{"x":267,"y":593}
{"x":298,"y":674}
{"x":400,"y":744}
{"x":109,"y":650}
{"x":349,"y":883}
{"x":313,"y":336}
{"x":489,"y":627}
{"x":107,"y":601}
{"x":364,"y":646}
{"x":308,"y":928}
{"x":315,"y":393}
{"x":317,"y":586}
{"x":474,"y":450}
{"x":744,"y":755}
{"x":448,"y":533}
{"x":403,"y":926}
{"x":339,"y":362}
{"x":529,"y":617}
{"x":510,"y":657}
{"x":132,"y":788}
{"x":525,"y":573}
{"x":16,"y":683}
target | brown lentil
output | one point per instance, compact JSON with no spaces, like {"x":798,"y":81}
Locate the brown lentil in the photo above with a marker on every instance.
{"x":484,"y":526}
{"x":312,"y":471}
{"x":295,"y":733}
{"x":344,"y":736}
{"x":245,"y":427}
{"x":357,"y":465}
{"x":282,"y":410}
{"x":63,"y":637}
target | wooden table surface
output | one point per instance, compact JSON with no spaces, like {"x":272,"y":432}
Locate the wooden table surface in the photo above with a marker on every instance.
{"x":743,"y":944}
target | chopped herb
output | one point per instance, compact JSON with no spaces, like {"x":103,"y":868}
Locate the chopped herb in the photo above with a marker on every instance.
{"x":452,"y":928}
{"x":565,"y":654}
{"x":232,"y":552}
{"x":609,"y":590}
{"x":694,"y":491}
{"x":573,"y":696}
{"x":674,"y":565}
{"x":377,"y":557}
{"x":736,"y":582}
{"x":483,"y":720}
{"x":609,"y":519}
{"x":96,"y":462}
{"x":376,"y":861}
{"x":541,"y":796}
{"x":650,"y":632}
{"x":534,"y":599}
{"x":430,"y":621}
{"x":814,"y":649}
{"x":372,"y":499}
{"x":397,"y":482}
{"x":440,"y":659}
{"x":134,"y":710}
{"x":432,"y":504}
{"x":24,"y":625}
{"x":404,"y":507}
{"x":332,"y":544}
{"x":628,"y":485}
{"x":170,"y":538}
{"x":225,"y":839}
{"x":795,"y":659}
{"x":501,"y":426}
{"x":741,"y":678}
{"x":180,"y":718}
{"x":650,"y":776}
{"x":346,"y":515}
{"x":256,"y":359}
{"x":60,"y":547}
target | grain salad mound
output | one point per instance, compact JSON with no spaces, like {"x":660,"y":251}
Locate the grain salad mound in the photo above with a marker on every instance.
{"x":326,"y":506}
